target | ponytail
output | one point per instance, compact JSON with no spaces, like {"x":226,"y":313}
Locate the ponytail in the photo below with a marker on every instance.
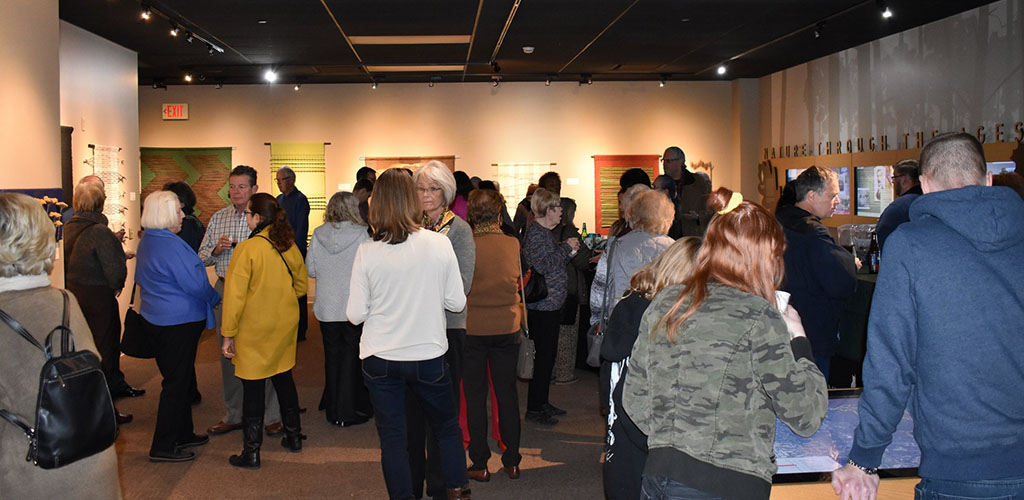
{"x":271,"y":214}
{"x":281,"y":233}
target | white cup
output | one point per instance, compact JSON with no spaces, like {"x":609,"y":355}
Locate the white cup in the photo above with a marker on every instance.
{"x":781,"y":300}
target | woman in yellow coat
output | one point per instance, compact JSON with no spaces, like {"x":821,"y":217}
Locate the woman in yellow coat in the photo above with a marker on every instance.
{"x":261,"y":317}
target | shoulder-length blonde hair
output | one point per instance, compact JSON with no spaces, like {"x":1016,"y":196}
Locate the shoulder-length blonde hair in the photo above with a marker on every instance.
{"x":394,"y":209}
{"x":672,"y":267}
{"x":742,"y":249}
{"x":27,"y":243}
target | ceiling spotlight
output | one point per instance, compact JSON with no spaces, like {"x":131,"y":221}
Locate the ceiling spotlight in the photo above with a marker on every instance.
{"x":547,"y":83}
{"x":819,"y":28}
{"x":261,"y":21}
{"x":189,"y":37}
{"x":220,"y":85}
{"x":527,"y":49}
{"x":661,"y":83}
{"x":209,"y":49}
{"x":721,"y":70}
{"x":374,"y":86}
{"x":886,"y":13}
{"x":159,"y":84}
{"x":174,"y":30}
{"x":146,"y":13}
{"x":270,"y":76}
{"x":664,"y":78}
{"x":297,"y":85}
{"x":430,"y":84}
{"x":586,"y":79}
{"x":496,"y":67}
{"x":495,"y":81}
{"x":188,"y":77}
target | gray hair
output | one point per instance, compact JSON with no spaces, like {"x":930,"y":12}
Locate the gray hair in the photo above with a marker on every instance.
{"x":88,"y":197}
{"x":160,"y":210}
{"x":544,"y":200}
{"x":289,"y":173}
{"x":439,"y":174}
{"x":342,"y":207}
{"x":812,"y":179}
{"x":27,"y":243}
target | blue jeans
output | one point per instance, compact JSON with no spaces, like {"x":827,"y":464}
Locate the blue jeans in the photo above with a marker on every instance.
{"x":662,"y":488}
{"x":989,"y":489}
{"x":429,"y":379}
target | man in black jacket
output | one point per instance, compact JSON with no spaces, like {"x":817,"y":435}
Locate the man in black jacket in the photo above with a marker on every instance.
{"x":820,"y":274}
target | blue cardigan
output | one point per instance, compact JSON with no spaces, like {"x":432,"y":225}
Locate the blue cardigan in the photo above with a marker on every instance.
{"x":172,"y":281}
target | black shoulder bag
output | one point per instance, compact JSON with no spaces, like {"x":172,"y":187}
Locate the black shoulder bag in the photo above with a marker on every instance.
{"x":74,"y":410}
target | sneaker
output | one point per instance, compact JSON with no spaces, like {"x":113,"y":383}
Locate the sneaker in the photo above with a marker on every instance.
{"x":553,"y":410}
{"x":541,"y":418}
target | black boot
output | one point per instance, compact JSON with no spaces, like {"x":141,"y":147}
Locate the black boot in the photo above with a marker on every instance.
{"x":252,"y":438}
{"x":292,"y":430}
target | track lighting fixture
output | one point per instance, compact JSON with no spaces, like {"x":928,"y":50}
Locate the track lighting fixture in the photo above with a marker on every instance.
{"x":174,"y":29}
{"x":819,"y":28}
{"x":664,"y":78}
{"x":209,"y":49}
{"x":721,"y":70}
{"x":146,"y":13}
{"x":586,"y":79}
{"x":547,"y":83}
{"x":374,"y":86}
{"x":188,"y":77}
{"x":297,"y":85}
{"x":270,"y":76}
{"x":495,"y":81}
{"x":189,"y":37}
{"x":219,"y":85}
{"x":495,"y":67}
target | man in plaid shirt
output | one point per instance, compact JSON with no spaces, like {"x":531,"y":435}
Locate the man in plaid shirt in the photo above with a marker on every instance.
{"x":226,"y":229}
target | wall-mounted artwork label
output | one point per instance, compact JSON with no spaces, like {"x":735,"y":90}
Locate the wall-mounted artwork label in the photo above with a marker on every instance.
{"x":175,"y":111}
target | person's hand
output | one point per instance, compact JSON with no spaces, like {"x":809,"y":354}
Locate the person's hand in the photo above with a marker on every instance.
{"x":227,"y":349}
{"x":851,"y":483}
{"x":223,"y":244}
{"x":574,"y":244}
{"x":120,"y":235}
{"x":793,"y":323}
{"x":856,"y":260}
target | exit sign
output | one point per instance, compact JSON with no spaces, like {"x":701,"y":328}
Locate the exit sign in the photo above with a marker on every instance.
{"x":175,"y":111}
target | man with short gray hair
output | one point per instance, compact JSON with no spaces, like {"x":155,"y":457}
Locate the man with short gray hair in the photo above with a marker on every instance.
{"x":820,"y":274}
{"x":944,"y":336}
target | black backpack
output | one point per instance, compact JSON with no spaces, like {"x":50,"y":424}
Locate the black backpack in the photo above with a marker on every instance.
{"x":74,"y":411}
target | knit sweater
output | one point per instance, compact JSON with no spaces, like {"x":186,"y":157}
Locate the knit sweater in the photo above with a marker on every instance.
{"x":331,"y":253}
{"x":94,"y":256}
{"x":461,"y":237}
{"x":548,"y":257}
{"x":493,"y":307}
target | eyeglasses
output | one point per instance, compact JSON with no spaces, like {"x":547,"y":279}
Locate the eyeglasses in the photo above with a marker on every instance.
{"x":666,"y":160}
{"x":898,"y":176}
{"x":248,"y":212}
{"x":431,"y":190}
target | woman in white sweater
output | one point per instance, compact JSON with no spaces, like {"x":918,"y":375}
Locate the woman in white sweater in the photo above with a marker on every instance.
{"x":402,"y":282}
{"x":331,"y":253}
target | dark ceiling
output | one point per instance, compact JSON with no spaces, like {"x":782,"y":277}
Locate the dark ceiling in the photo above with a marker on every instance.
{"x":316,"y":41}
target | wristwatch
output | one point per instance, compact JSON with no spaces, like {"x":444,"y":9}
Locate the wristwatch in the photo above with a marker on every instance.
{"x":867,"y":470}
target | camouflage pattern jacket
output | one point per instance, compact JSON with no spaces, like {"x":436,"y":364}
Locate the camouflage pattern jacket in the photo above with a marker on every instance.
{"x":708,"y":401}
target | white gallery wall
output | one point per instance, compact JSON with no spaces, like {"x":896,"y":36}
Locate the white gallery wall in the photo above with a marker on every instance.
{"x":563,"y":123}
{"x":29,"y":95}
{"x":99,"y":93}
{"x":964,"y":71}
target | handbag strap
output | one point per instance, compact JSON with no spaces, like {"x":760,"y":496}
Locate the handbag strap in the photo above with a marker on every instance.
{"x":522,"y":301}
{"x":279,"y":254}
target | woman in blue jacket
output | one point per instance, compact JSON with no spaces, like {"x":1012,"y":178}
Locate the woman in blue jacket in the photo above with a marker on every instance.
{"x":177,"y":304}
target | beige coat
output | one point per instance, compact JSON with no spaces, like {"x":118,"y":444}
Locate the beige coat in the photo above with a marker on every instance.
{"x":261,"y":309}
{"x":39,"y":310}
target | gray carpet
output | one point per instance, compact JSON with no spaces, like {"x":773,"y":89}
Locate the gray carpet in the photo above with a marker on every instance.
{"x":558,"y":462}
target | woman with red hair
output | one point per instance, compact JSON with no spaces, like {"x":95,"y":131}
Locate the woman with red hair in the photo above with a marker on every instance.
{"x":716,"y":361}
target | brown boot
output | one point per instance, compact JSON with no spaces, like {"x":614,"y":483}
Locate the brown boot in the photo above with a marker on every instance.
{"x":458,"y":493}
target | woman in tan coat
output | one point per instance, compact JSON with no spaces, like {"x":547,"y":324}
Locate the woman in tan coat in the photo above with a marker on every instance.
{"x":26,"y":259}
{"x":261,"y":318}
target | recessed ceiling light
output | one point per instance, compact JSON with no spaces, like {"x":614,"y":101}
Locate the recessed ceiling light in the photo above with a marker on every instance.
{"x":146,"y":12}
{"x":721,"y":70}
{"x":684,"y":20}
{"x":270,"y":76}
{"x":261,"y":21}
{"x":188,"y":77}
{"x":528,"y":49}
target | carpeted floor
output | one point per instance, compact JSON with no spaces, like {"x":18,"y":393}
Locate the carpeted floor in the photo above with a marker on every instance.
{"x":558,"y":462}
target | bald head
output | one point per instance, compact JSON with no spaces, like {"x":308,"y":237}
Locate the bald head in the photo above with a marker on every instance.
{"x":951,"y":161}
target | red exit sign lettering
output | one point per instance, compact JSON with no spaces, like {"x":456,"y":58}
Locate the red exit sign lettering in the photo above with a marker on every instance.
{"x":175,"y":111}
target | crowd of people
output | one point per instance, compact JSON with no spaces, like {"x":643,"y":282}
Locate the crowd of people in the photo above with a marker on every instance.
{"x":714,"y":316}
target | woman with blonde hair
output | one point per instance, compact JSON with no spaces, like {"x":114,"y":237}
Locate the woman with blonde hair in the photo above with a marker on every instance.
{"x":403,"y":282}
{"x":627,"y":446}
{"x":177,"y":304}
{"x":716,"y":353}
{"x":332,"y":251}
{"x":265,"y":278}
{"x":27,"y":250}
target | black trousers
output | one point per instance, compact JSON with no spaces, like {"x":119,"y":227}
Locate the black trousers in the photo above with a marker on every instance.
{"x":99,"y":306}
{"x":419,"y":436}
{"x":500,"y":353}
{"x":303,"y":317}
{"x":544,"y":332}
{"x":176,"y":358}
{"x":345,"y":397}
{"x":254,"y":392}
